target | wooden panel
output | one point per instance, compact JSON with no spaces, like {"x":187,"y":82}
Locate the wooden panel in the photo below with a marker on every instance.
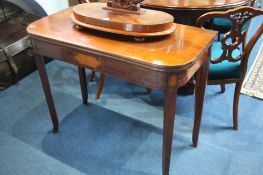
{"x":135,"y":74}
{"x":110,"y":66}
{"x":103,"y":63}
{"x":68,"y":54}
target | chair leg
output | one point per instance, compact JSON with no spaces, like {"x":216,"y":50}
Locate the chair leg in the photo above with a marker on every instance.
{"x":91,"y":75}
{"x":235,"y":105}
{"x":100,"y":86}
{"x":223,"y":88}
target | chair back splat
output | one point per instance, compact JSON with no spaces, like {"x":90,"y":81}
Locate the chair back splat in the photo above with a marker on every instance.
{"x":234,"y":39}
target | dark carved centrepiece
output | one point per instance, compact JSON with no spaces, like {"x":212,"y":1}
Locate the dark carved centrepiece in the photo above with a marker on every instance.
{"x":128,"y":6}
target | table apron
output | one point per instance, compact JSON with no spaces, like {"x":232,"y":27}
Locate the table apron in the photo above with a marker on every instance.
{"x":107,"y":65}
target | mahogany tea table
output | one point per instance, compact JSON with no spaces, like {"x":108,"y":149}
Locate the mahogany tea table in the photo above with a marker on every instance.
{"x":164,"y":63}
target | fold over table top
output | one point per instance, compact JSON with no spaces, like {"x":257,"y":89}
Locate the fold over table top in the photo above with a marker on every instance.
{"x":178,"y":50}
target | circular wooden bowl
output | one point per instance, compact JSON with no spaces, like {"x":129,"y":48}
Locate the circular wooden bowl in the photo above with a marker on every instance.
{"x":148,"y":23}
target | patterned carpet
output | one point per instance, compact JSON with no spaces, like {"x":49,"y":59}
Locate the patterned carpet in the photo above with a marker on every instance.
{"x":253,"y":84}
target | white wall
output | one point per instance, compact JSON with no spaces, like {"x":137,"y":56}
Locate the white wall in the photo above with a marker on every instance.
{"x":52,"y":6}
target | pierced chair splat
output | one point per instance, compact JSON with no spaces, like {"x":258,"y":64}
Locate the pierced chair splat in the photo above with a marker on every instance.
{"x":223,"y":25}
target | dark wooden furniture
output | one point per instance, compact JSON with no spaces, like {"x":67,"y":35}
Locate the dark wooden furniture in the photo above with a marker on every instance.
{"x":230,"y":65}
{"x":188,"y":11}
{"x":164,"y":63}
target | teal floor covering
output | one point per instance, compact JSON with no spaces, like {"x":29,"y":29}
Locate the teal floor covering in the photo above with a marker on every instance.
{"x":121,"y":134}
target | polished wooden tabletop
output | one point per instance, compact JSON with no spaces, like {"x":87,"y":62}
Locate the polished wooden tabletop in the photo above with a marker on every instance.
{"x":196,"y":4}
{"x":180,"y":49}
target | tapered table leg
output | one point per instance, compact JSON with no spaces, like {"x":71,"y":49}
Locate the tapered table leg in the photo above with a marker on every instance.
{"x":83,"y":84}
{"x":168,"y":126}
{"x":47,"y":91}
{"x":100,"y":86}
{"x":201,"y":81}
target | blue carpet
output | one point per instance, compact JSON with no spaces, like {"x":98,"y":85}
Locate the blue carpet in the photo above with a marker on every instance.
{"x":121,"y":134}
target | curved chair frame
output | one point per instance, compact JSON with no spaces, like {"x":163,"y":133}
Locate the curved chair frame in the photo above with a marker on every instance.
{"x":238,"y":17}
{"x":225,"y":28}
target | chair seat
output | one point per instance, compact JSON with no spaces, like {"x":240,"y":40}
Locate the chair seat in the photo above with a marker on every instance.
{"x":225,"y":69}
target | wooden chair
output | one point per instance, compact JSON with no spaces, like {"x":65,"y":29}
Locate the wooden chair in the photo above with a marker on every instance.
{"x":229,"y":56}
